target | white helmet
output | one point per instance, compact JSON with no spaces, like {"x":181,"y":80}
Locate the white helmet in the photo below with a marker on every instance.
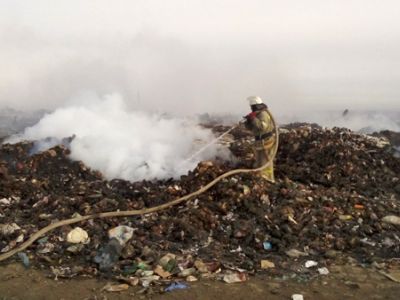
{"x":254,"y":100}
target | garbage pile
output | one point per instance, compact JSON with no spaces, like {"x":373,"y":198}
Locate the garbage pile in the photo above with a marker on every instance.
{"x":393,"y":137}
{"x":336,"y":196}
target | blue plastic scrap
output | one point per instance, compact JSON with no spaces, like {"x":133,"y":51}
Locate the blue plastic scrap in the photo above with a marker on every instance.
{"x":267,"y":245}
{"x":43,"y":240}
{"x":24,"y":258}
{"x":176,"y":286}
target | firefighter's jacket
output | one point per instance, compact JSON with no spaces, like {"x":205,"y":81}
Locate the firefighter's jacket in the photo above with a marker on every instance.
{"x":261,"y":126}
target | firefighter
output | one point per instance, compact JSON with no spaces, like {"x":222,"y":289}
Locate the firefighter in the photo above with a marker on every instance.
{"x":260,"y":123}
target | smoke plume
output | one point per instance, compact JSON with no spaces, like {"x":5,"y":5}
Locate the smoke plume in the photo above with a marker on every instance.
{"x":125,"y":144}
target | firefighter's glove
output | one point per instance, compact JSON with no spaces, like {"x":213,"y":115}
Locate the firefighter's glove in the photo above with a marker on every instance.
{"x":251,"y":116}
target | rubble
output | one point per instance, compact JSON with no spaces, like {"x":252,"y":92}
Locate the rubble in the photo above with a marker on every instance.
{"x":333,"y":190}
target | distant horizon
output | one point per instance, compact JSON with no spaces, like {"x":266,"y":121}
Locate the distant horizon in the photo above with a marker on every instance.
{"x":371,"y":120}
{"x":385,"y":110}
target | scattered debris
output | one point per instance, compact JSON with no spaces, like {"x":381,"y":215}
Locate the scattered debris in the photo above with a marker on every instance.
{"x":176,"y":286}
{"x":395,"y":220}
{"x":168,"y":262}
{"x":115,"y":288}
{"x":187,"y":272}
{"x":297,"y":297}
{"x":122,"y":233}
{"x":78,"y":236}
{"x":295,"y":253}
{"x":310,"y":264}
{"x":132,"y":280}
{"x":323,"y":271}
{"x":394,"y":278}
{"x":5,"y":202}
{"x":191,"y":278}
{"x":8,"y":229}
{"x":108,"y":255}
{"x":24,"y":258}
{"x":267,"y":245}
{"x":161,"y":272}
{"x":266,"y":264}
{"x":351,"y":284}
{"x":146,"y":281}
{"x":235,"y":277}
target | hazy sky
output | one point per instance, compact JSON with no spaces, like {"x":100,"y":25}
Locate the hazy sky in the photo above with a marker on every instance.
{"x":205,"y":55}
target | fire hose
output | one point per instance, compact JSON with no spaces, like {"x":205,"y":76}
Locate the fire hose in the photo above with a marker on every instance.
{"x":144,"y":211}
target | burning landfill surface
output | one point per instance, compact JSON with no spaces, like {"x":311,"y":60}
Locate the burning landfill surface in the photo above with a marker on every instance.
{"x":336,"y":198}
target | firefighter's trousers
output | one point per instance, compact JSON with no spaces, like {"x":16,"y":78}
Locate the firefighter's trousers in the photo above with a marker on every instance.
{"x":263,"y":153}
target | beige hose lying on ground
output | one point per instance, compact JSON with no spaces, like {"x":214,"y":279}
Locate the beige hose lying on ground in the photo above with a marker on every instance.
{"x":144,"y":211}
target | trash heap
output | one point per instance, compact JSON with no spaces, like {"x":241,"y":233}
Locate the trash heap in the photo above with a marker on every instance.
{"x":336,"y":198}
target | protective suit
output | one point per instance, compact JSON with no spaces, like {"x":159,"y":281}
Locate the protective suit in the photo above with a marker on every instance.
{"x":260,"y":123}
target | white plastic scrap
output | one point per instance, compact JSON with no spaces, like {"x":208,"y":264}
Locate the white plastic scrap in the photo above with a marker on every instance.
{"x":234,"y":277}
{"x":5,"y":202}
{"x":122,"y":233}
{"x":20,"y":238}
{"x":47,"y":248}
{"x":8,"y":229}
{"x":395,"y":220}
{"x":379,"y":142}
{"x":294,"y":253}
{"x":237,"y":250}
{"x":77,"y":236}
{"x":297,"y":297}
{"x":311,"y":263}
{"x":367,"y":242}
{"x":8,"y":201}
{"x":323,"y":271}
{"x":146,"y":281}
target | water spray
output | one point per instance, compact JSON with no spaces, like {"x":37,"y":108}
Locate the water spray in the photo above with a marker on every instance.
{"x":202,"y":149}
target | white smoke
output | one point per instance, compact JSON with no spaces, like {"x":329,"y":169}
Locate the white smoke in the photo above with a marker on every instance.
{"x":397,"y":152}
{"x":369,"y":122}
{"x":360,"y":121}
{"x":125,"y":144}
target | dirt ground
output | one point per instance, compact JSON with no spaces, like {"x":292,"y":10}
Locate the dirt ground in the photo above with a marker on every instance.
{"x":344,"y":282}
